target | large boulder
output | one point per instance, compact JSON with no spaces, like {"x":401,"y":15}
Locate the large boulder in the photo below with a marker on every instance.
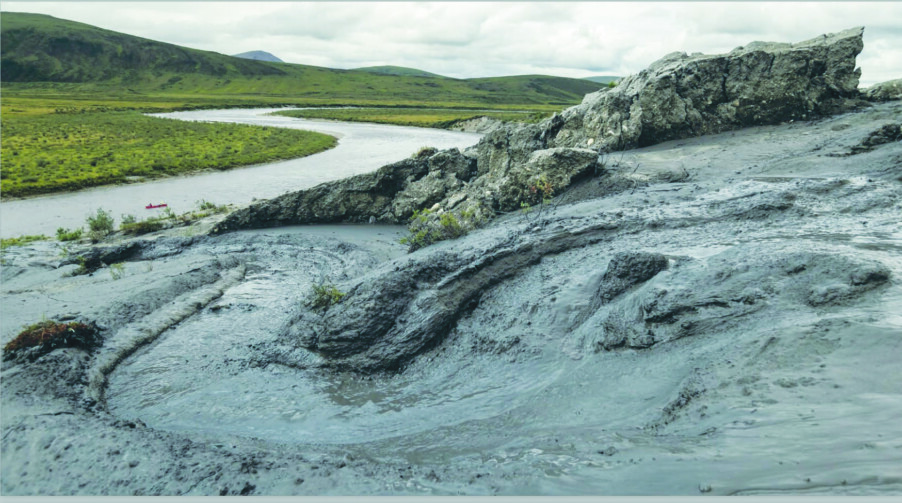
{"x":361,"y":198}
{"x":514,"y":180}
{"x":551,"y":170}
{"x":448,"y":171}
{"x":680,"y":96}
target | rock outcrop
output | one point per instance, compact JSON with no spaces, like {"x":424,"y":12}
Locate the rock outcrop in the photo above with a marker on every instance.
{"x":885,"y":91}
{"x":681,"y":96}
{"x":678,"y":96}
{"x":389,"y":195}
{"x":887,"y":133}
{"x":719,"y":294}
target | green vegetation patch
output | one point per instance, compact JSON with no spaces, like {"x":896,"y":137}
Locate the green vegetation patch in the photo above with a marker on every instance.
{"x":134,"y":227}
{"x":325,"y":295}
{"x":100,"y":225}
{"x":64,"y":151}
{"x":427,"y":227}
{"x":21,"y":240}
{"x":64,"y":234}
{"x":420,"y":117}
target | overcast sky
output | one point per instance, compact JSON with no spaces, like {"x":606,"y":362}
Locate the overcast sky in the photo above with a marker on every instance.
{"x":476,"y":39}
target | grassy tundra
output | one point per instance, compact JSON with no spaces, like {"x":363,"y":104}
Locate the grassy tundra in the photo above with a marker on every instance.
{"x":73,"y":93}
{"x":54,"y":152}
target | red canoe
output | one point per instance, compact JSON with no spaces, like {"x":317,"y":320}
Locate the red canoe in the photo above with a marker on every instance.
{"x":152,"y":206}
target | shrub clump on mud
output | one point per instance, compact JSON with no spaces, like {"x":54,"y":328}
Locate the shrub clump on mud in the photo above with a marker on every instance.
{"x":325,"y":295}
{"x":43,"y":337}
{"x":64,"y":234}
{"x":100,"y":224}
{"x":428,"y":226}
{"x":137,"y":228}
{"x":21,"y":240}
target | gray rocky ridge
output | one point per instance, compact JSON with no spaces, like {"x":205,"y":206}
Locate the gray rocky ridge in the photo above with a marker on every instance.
{"x":678,"y":96}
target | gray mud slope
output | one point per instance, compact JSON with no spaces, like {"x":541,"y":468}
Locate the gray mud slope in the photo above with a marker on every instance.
{"x":734,"y":332}
{"x":714,"y":314}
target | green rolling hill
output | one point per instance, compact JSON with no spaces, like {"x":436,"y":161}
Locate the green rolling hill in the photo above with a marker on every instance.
{"x":37,"y":48}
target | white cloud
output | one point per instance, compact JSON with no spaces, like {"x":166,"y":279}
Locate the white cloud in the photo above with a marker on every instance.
{"x":475,"y":39}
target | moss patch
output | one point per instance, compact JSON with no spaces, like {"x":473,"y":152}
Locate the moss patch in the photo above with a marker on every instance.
{"x":43,"y":337}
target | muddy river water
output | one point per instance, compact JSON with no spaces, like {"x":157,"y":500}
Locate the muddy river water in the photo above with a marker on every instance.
{"x":361,"y":148}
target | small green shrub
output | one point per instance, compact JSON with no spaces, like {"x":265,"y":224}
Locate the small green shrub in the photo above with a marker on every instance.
{"x":142,"y":227}
{"x":63,"y":234}
{"x":539,"y":195}
{"x":117,"y":271}
{"x":82,"y":266}
{"x":128,"y":219}
{"x":425,"y":230}
{"x":204,"y":209}
{"x":100,"y":225}
{"x":203,"y":205}
{"x":543,"y":189}
{"x":450,"y":226}
{"x":420,"y":236}
{"x":424,"y":152}
{"x":325,"y":295}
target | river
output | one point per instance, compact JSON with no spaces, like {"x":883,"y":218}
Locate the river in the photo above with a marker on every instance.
{"x":362,"y":148}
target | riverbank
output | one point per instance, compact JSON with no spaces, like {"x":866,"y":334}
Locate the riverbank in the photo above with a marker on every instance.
{"x":383,"y":144}
{"x":442,"y":118}
{"x":59,"y":152}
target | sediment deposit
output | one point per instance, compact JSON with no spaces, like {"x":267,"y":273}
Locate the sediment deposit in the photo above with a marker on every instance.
{"x":712,"y":314}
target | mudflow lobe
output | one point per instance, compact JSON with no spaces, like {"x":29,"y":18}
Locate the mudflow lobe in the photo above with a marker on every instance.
{"x":708,"y":315}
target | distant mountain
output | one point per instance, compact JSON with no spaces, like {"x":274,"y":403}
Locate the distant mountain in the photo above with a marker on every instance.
{"x":40,"y":48}
{"x":258,"y":56}
{"x":396,"y":70}
{"x":603,"y":79}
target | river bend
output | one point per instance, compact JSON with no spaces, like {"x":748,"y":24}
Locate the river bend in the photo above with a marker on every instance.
{"x":362,"y":147}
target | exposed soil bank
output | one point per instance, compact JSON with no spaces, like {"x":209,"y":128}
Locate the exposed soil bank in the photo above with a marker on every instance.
{"x":715,"y":315}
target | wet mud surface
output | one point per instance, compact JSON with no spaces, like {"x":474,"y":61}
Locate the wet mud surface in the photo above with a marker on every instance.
{"x":718,"y":315}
